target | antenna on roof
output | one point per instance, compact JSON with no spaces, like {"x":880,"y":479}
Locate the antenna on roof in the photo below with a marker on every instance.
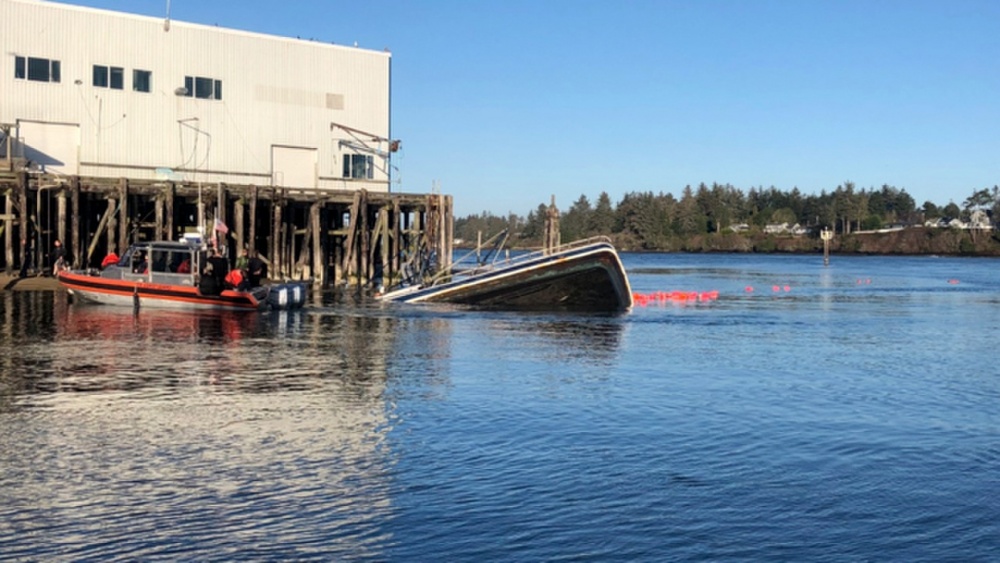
{"x":166,"y":22}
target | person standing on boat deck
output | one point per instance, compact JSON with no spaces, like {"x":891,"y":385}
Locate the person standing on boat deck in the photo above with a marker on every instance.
{"x":220,"y":267}
{"x":214,"y":274}
{"x":241,"y":262}
{"x":110,"y":260}
{"x":256,"y":269}
{"x":141,"y":264}
{"x":58,"y":257}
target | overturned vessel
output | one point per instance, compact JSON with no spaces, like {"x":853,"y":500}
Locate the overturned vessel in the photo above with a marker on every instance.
{"x":585,"y":275}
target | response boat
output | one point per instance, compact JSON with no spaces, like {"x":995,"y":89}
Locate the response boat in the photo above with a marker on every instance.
{"x":166,"y":274}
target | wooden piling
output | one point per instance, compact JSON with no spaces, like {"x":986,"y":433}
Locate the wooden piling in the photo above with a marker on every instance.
{"x":253,"y":220}
{"x":237,"y":229}
{"x":112,"y":225}
{"x":8,"y":231}
{"x":315,"y":225}
{"x":123,"y":219}
{"x":25,"y":217}
{"x":276,"y":239}
{"x":61,"y":209}
{"x":168,"y":216}
{"x":76,"y":245}
{"x":326,"y":236}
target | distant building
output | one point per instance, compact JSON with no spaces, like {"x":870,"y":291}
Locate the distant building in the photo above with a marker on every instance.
{"x":786,"y":229}
{"x":106,"y":94}
{"x":979,"y":219}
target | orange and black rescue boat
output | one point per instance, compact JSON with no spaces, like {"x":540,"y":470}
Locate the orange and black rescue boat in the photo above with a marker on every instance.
{"x":177,"y":275}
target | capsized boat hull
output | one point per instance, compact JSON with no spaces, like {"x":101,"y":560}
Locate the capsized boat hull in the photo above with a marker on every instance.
{"x":584,"y":278}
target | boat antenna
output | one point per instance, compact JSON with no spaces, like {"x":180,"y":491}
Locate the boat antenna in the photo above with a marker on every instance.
{"x":166,"y":22}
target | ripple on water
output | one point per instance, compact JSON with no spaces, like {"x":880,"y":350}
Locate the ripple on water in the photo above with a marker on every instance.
{"x":830,"y":421}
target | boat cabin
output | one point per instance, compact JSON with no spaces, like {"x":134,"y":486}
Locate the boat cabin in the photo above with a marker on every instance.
{"x":159,"y":262}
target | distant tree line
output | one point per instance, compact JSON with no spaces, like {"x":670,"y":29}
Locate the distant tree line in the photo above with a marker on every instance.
{"x":644,"y":220}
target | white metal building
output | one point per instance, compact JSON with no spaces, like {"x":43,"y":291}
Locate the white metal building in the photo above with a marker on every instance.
{"x":98,"y":93}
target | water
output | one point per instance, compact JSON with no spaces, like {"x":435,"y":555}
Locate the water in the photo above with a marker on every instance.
{"x":855,"y":416}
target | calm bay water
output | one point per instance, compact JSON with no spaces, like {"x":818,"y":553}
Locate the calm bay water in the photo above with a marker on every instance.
{"x":843,"y":413}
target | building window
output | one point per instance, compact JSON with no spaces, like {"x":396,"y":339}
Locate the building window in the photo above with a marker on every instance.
{"x":359,"y":166}
{"x":204,"y":88}
{"x":109,"y":77}
{"x":100,"y":76}
{"x":142,"y":80}
{"x":39,"y":70}
{"x":117,"y":78}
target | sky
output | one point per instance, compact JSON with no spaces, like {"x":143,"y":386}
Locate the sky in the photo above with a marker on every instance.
{"x":505,"y":104}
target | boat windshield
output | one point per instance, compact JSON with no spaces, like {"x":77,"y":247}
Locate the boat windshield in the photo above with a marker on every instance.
{"x":172,"y":260}
{"x":126,"y":259}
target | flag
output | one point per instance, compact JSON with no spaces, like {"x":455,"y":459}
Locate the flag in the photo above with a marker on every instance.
{"x":220,"y":226}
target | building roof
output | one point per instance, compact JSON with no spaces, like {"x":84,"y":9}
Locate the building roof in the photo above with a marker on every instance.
{"x":169,"y":23}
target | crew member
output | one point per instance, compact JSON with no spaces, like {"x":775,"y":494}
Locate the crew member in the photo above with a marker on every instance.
{"x":256,"y":269}
{"x":59,"y":257}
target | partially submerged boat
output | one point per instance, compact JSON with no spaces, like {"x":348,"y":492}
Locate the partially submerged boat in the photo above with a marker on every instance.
{"x":585,"y":275}
{"x":165,"y":274}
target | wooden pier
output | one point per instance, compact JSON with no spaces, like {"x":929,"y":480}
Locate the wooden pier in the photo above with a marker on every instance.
{"x":331,"y":237}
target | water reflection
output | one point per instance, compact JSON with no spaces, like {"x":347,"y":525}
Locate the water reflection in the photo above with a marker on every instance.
{"x":570,"y":338}
{"x":159,"y":433}
{"x":116,"y":324}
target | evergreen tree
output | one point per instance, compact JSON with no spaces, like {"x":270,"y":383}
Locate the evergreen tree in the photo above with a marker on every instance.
{"x":602,"y":220}
{"x":573,"y":225}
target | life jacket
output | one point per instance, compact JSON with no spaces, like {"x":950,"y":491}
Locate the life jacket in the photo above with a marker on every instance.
{"x":184,"y":268}
{"x":109,"y":260}
{"x":234,"y":278}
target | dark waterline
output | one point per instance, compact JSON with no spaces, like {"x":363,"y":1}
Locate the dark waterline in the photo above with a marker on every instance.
{"x":846,"y":413}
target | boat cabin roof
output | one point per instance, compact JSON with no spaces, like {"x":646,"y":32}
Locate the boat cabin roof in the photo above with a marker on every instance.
{"x":165,"y":245}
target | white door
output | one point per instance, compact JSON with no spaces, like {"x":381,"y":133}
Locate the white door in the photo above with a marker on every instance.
{"x":294,"y":167}
{"x":50,"y":147}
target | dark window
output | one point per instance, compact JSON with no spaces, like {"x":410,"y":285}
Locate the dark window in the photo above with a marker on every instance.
{"x":118,"y":78}
{"x":109,"y":77}
{"x":100,"y":76}
{"x":142,"y":80}
{"x":202,"y":87}
{"x":43,"y":70}
{"x":39,"y":70}
{"x":359,"y":166}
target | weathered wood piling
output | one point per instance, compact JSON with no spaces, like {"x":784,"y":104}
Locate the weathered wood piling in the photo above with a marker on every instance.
{"x":331,"y":237}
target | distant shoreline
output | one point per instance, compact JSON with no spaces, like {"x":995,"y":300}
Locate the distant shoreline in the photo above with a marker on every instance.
{"x":915,"y":241}
{"x":912,"y":241}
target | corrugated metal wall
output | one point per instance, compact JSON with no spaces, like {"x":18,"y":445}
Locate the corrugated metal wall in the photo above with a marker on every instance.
{"x":275,"y":91}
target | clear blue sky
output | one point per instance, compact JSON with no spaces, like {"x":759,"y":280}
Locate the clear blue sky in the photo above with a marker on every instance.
{"x":505,"y":103}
